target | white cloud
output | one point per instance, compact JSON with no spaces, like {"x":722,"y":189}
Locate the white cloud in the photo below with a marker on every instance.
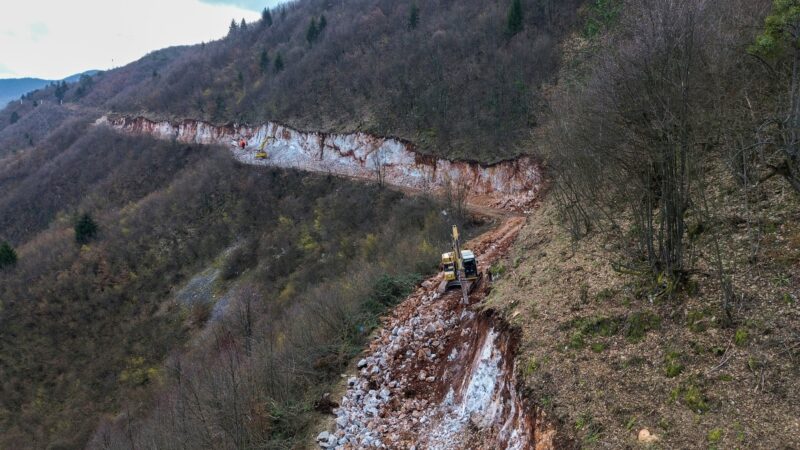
{"x":55,"y":38}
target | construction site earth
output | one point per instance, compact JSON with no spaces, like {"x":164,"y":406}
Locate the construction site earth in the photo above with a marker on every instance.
{"x":438,"y":373}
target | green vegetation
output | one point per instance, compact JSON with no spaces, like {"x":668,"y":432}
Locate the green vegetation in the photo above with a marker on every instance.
{"x":692,"y":396}
{"x":639,"y":323}
{"x":741,"y":337}
{"x":699,"y":320}
{"x":263,"y":61}
{"x":266,"y":17}
{"x":601,"y":15}
{"x":591,"y":428}
{"x":576,"y":341}
{"x":85,"y":229}
{"x":672,"y":364}
{"x":531,"y":367}
{"x":715,"y":435}
{"x":8,"y":256}
{"x":413,"y":16}
{"x":313,"y":31}
{"x":514,"y":22}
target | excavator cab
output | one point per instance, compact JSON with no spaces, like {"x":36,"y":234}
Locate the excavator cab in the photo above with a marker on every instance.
{"x":261,"y":154}
{"x":470,"y":265}
{"x":448,"y":266}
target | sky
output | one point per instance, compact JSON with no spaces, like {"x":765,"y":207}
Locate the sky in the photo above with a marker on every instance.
{"x":53,"y":39}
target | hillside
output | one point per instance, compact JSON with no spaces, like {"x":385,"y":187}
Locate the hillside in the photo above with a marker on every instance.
{"x":656,"y":289}
{"x":94,"y":331}
{"x":14,"y":88}
{"x":455,"y":82}
{"x":86,"y":327}
{"x":235,"y":244}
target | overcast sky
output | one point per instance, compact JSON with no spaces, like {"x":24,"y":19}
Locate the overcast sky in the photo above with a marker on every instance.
{"x":53,"y":39}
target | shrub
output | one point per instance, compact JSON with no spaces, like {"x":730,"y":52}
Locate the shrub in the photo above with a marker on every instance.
{"x":8,"y":256}
{"x":693,"y":397}
{"x":741,"y":337}
{"x":639,"y":323}
{"x":672,"y":364}
{"x":389,"y":289}
{"x":576,"y":341}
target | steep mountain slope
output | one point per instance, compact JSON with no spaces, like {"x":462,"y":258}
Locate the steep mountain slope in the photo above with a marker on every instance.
{"x":86,"y":328}
{"x":456,"y":82}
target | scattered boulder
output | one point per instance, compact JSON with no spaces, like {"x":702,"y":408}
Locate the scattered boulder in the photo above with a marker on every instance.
{"x":645,"y":437}
{"x":323,"y":439}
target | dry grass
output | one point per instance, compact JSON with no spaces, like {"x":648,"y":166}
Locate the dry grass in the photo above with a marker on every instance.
{"x":603,"y":377}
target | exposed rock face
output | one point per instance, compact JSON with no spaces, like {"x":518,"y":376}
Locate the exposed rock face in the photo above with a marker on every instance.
{"x":440,"y":376}
{"x":510,"y":185}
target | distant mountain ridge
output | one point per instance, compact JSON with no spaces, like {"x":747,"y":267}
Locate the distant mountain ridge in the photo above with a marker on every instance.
{"x":12,"y":88}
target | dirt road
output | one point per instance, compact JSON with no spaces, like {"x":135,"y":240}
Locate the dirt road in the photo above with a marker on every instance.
{"x":440,"y":374}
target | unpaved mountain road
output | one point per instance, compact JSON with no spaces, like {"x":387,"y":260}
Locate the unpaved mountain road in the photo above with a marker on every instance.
{"x":438,"y":374}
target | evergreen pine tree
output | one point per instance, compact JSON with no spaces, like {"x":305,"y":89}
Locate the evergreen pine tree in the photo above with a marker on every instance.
{"x":243,"y":25}
{"x":514,"y":18}
{"x":266,"y":17}
{"x":311,"y":34}
{"x":14,"y":117}
{"x":413,"y":16}
{"x":8,"y":257}
{"x":85,"y":229}
{"x":278,"y":62}
{"x":263,"y":61}
{"x":322,"y":23}
{"x":61,"y":89}
{"x":233,"y":28}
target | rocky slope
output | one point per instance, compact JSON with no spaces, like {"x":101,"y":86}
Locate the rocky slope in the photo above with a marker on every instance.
{"x":509,"y":185}
{"x":441,"y":375}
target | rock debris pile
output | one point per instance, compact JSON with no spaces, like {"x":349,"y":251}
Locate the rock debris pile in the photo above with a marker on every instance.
{"x":439,"y":375}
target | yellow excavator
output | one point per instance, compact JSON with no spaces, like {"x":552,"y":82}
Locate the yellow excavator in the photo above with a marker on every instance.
{"x":261,"y":153}
{"x":460,"y":268}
